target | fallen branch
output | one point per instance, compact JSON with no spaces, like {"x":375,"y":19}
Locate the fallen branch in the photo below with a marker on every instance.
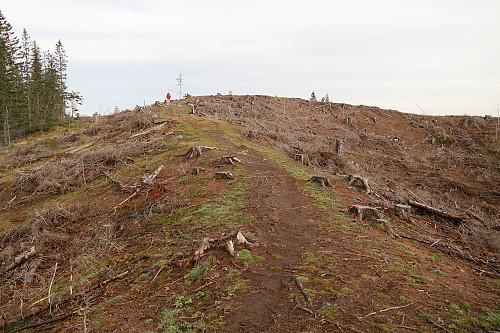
{"x":306,"y":295}
{"x":118,"y":183}
{"x":147,"y":131}
{"x":74,"y":296}
{"x":77,"y":149}
{"x":49,"y":296}
{"x":149,"y":179}
{"x":19,"y":260}
{"x":388,"y":309}
{"x":46,"y":322}
{"x":124,"y":201}
{"x":456,"y":219}
{"x":298,"y":306}
{"x":205,"y":285}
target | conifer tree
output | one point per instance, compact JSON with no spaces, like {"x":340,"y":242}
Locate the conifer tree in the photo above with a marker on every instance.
{"x":9,"y":50}
{"x":33,"y":89}
{"x":26,"y":78}
{"x":36,"y":84}
{"x":61,"y":67}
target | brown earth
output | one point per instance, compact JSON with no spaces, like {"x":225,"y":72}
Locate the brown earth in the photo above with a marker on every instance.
{"x":433,"y":276}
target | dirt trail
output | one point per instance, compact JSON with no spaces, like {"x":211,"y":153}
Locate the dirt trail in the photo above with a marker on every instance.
{"x":277,"y":202}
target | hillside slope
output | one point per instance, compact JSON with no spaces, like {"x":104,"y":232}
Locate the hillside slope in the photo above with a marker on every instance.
{"x":116,"y":215}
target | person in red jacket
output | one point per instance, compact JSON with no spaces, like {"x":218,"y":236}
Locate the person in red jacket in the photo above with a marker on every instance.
{"x":168,"y":98}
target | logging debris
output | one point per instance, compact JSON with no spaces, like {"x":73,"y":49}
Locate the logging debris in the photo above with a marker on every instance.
{"x":454,"y":218}
{"x":18,"y":260}
{"x":148,"y":180}
{"x":118,"y":183}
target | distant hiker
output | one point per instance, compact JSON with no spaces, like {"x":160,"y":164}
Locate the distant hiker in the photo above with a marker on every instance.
{"x":168,"y":98}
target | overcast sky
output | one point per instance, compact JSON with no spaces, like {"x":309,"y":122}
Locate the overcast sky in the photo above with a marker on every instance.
{"x":442,"y":55}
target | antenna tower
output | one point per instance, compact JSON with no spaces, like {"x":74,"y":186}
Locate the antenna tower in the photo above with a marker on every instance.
{"x":179,"y":83}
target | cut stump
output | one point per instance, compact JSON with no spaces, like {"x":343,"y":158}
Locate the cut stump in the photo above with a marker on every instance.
{"x":229,"y":160}
{"x":224,"y":175}
{"x":338,"y":146}
{"x":403,"y":212}
{"x":320,"y":180}
{"x":197,"y":170}
{"x":365,"y":212}
{"x":196,"y":151}
{"x":387,"y":227}
{"x":358,"y":181}
{"x":302,"y":158}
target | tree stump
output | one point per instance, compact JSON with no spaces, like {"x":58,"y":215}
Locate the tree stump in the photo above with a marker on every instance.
{"x":254,"y":135}
{"x":224,"y":175}
{"x":358,"y":181}
{"x":338,"y":146}
{"x":197,"y":170}
{"x":365,"y":212}
{"x":403,"y":212}
{"x":387,"y":227}
{"x":303,"y":158}
{"x":196,"y":151}
{"x":229,"y":160}
{"x":320,"y":180}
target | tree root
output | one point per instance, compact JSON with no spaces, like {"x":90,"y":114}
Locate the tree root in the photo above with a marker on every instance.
{"x":227,"y":240}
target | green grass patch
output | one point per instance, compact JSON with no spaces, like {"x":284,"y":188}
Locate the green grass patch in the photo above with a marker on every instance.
{"x":244,"y":255}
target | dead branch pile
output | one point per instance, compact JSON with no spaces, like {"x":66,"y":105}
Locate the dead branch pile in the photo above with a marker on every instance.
{"x":68,"y":174}
{"x":47,"y":229}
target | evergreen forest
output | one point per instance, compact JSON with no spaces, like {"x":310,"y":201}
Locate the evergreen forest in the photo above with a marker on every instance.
{"x":34,"y":96}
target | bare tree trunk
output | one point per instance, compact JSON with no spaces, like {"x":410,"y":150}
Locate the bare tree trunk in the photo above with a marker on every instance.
{"x":7,"y":126}
{"x":338,"y":146}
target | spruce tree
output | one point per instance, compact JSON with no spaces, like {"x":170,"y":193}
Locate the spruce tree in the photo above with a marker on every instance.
{"x":33,"y":90}
{"x":9,"y":50}
{"x":26,"y":78}
{"x":36,"y":84}
{"x":61,"y":67}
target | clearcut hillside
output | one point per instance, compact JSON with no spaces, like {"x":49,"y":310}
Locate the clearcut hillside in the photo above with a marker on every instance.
{"x":252,"y":214}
